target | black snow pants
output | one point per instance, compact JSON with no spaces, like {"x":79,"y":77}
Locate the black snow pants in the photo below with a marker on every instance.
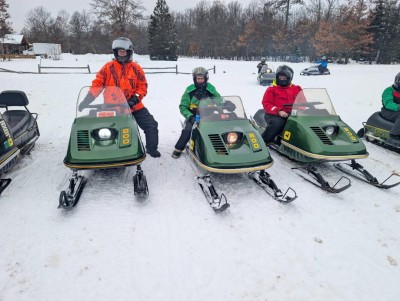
{"x":149,"y":126}
{"x":275,"y":125}
{"x":185,"y":135}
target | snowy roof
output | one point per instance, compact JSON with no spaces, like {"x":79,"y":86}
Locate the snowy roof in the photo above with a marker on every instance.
{"x":12,"y":39}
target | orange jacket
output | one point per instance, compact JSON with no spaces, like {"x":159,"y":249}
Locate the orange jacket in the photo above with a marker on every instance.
{"x":129,"y":77}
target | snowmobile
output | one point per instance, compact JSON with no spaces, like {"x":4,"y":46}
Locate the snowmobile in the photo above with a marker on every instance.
{"x":266,"y":76}
{"x":314,"y":134}
{"x":104,"y":135}
{"x":376,"y":130}
{"x":314,"y":70}
{"x":223,"y":141}
{"x":18,"y":133}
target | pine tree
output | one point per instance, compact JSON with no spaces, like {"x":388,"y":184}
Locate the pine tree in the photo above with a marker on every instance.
{"x":163,"y":40}
{"x":5,"y":25}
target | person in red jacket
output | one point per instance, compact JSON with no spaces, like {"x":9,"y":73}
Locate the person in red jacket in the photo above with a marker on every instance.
{"x":280,"y":93}
{"x":130,"y":78}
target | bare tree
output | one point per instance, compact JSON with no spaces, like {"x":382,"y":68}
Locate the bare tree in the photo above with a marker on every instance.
{"x":37,"y":24}
{"x":118,"y":14}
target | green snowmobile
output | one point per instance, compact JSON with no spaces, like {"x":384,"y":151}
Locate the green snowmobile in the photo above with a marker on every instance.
{"x":314,"y":133}
{"x":18,"y":131}
{"x":103,"y":136}
{"x":224,"y":141}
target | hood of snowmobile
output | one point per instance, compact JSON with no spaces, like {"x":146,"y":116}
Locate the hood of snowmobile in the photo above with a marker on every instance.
{"x":87,"y":151}
{"x":210,"y":149}
{"x":306,"y":137}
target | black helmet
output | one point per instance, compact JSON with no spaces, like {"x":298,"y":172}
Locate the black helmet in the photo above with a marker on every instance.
{"x":286,"y":71}
{"x":200,"y":71}
{"x":263,"y":59}
{"x":397,"y":81}
{"x":125,"y":44}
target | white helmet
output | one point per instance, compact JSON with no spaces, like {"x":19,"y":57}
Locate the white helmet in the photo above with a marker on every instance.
{"x":125,"y":44}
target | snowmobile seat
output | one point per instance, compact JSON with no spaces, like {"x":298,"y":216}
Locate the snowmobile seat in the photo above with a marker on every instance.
{"x":13,"y":98}
{"x":377,"y":120}
{"x":259,"y":118}
{"x":17,"y":120}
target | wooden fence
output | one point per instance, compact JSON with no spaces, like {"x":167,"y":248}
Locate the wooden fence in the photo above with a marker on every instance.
{"x":61,"y":68}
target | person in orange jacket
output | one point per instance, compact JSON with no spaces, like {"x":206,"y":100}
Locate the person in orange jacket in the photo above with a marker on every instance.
{"x":276,"y":96}
{"x":130,"y":78}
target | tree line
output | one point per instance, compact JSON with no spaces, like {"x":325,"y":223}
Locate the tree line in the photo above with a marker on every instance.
{"x":278,"y":29}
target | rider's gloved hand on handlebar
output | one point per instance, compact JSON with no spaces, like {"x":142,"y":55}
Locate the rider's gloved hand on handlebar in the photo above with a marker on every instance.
{"x":86,"y":101}
{"x":134,"y":100}
{"x":229,"y":105}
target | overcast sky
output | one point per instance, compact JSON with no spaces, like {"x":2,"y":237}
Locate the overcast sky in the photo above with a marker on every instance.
{"x":19,"y":8}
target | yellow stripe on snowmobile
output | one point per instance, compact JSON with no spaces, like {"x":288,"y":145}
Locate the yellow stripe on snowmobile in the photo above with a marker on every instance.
{"x":323,"y":157}
{"x":229,"y":171}
{"x":106,"y":165}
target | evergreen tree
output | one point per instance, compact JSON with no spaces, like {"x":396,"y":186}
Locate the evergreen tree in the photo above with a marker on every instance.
{"x":5,"y":25}
{"x":163,"y":40}
{"x":383,"y":26}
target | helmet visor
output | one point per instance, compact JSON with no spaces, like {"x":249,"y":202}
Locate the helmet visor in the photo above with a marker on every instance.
{"x":122,"y":44}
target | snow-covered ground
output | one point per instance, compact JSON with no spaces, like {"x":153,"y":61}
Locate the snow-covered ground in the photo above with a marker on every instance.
{"x":173,"y":246}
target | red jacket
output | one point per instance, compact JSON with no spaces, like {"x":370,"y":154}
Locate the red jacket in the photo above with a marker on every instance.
{"x":276,"y":96}
{"x":129,"y":77}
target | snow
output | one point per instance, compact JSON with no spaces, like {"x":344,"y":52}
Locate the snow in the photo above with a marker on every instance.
{"x":173,"y":246}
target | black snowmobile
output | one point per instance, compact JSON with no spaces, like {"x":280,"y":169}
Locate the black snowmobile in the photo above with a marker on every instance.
{"x":18,"y":133}
{"x":314,"y":70}
{"x":376,"y":130}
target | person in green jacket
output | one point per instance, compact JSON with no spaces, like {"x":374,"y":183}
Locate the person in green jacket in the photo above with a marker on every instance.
{"x":201,"y":92}
{"x":391,"y":110}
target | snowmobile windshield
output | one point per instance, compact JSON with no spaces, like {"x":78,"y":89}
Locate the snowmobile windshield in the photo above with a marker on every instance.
{"x":313,"y":102}
{"x":102,"y":102}
{"x":227,"y":108}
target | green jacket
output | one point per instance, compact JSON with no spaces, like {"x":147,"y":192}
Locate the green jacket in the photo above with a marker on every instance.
{"x":189,"y":102}
{"x":388,"y":99}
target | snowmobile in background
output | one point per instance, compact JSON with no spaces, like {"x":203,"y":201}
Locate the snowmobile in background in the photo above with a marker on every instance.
{"x":103,"y":136}
{"x":314,"y":70}
{"x":313,"y":134}
{"x":18,"y":132}
{"x":266,"y":76}
{"x":223,"y":141}
{"x":376,"y":130}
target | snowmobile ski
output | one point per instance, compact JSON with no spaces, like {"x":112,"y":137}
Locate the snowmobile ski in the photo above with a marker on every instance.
{"x":140,"y":182}
{"x":69,"y":198}
{"x":3,"y":184}
{"x":218,"y":202}
{"x":310,"y":174}
{"x":357,"y":170}
{"x":264,"y":180}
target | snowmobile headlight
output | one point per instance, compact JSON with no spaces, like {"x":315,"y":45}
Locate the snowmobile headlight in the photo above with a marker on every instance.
{"x":231,"y":138}
{"x":105,"y":134}
{"x":330,"y":130}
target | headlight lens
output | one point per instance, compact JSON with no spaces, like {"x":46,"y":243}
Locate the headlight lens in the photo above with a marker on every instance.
{"x":232,"y":138}
{"x":104,"y":134}
{"x":330,"y":130}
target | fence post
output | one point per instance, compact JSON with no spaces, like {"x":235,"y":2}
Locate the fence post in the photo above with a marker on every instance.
{"x":176,"y":69}
{"x":88,"y":68}
{"x":38,"y":67}
{"x":214,"y":69}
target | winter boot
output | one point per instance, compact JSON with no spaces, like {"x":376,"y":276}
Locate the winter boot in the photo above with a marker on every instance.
{"x":176,"y":153}
{"x":154,"y":153}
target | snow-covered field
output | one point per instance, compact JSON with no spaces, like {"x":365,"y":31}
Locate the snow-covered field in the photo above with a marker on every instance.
{"x":173,"y":246}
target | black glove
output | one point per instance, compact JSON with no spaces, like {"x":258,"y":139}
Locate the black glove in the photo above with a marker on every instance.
{"x":133,"y":101}
{"x":229,"y":106}
{"x":86,"y":101}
